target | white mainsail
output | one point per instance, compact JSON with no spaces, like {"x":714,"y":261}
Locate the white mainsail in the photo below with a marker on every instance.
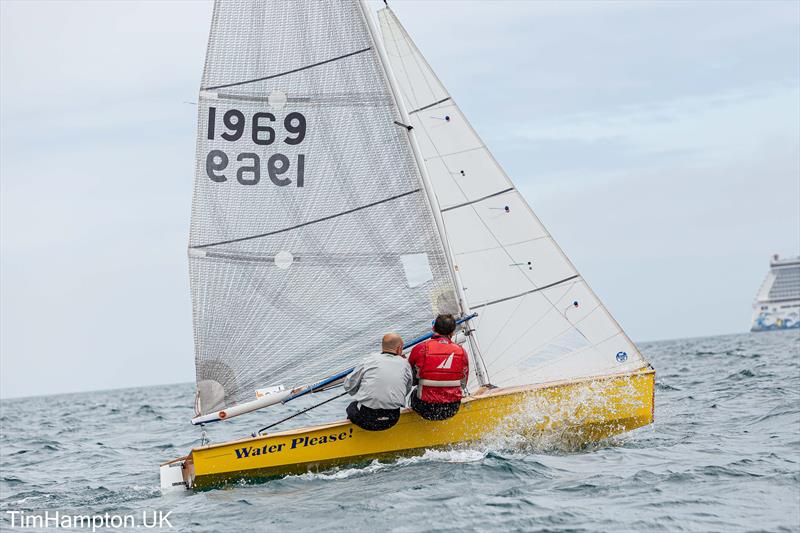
{"x":311,"y":230}
{"x":539,"y":320}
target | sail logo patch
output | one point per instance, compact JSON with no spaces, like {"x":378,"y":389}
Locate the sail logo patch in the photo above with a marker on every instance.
{"x":447,"y":363}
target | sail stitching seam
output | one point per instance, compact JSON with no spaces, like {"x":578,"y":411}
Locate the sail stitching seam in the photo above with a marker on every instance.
{"x":502,"y":246}
{"x":442,"y":156}
{"x":323,"y":219}
{"x":287,"y":72}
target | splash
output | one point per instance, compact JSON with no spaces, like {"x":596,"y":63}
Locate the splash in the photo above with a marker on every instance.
{"x":449,"y":455}
{"x":585,"y":418}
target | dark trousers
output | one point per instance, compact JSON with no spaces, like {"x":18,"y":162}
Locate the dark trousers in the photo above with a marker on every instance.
{"x":372,"y":419}
{"x":433,"y":411}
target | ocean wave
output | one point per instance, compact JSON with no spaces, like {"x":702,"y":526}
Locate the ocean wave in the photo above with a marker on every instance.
{"x":732,"y":467}
{"x":454,"y":455}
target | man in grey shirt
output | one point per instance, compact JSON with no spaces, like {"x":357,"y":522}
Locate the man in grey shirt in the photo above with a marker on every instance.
{"x":380,"y":384}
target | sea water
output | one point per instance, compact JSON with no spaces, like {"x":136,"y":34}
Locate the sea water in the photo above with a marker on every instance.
{"x":722,"y":455}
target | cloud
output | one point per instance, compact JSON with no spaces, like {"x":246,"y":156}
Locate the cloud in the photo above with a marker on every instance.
{"x":657,"y":141}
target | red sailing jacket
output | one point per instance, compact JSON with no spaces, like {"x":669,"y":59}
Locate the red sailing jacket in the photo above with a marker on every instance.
{"x":439,"y":360}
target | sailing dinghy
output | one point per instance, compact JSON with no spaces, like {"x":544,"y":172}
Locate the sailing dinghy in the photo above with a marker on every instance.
{"x":340,"y":193}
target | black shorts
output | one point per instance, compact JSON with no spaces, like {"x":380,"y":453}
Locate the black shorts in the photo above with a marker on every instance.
{"x":434,"y":411}
{"x":372,"y":419}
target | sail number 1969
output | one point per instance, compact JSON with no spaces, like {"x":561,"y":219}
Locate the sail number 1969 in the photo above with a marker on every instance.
{"x":261,"y":130}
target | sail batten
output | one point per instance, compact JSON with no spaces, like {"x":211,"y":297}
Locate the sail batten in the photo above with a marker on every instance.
{"x":303,"y":224}
{"x":273,"y":76}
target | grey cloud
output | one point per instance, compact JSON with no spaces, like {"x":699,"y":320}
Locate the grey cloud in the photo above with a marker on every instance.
{"x":657,"y":141}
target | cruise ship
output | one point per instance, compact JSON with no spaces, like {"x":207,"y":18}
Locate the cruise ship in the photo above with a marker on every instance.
{"x":777,"y":305}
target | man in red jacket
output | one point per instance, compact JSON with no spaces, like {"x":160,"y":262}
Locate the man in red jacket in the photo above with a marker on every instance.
{"x":440,"y":369}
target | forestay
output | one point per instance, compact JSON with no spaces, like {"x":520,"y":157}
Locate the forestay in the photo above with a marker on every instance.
{"x":311,"y":234}
{"x":538,"y":319}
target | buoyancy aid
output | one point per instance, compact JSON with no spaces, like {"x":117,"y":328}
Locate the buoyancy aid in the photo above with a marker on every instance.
{"x":440,"y":366}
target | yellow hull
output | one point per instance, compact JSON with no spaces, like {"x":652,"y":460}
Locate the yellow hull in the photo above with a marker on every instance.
{"x":582,"y":411}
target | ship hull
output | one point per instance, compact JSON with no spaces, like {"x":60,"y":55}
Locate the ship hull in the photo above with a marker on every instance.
{"x":777,"y":304}
{"x":578,"y":412}
{"x":771,"y":316}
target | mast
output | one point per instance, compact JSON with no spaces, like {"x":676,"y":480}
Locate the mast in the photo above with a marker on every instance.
{"x":428,"y":188}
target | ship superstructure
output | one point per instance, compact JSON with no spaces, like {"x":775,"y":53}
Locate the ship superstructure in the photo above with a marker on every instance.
{"x":777,"y":304}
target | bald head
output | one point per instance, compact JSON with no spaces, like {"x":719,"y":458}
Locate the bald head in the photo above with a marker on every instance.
{"x":392,"y":343}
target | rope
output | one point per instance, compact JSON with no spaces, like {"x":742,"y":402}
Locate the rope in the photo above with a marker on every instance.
{"x":259,"y":432}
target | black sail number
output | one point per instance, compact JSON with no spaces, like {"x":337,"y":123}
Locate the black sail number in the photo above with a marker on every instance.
{"x":262,"y":133}
{"x":295,"y":123}
{"x":263,"y":127}
{"x":276,"y":165}
{"x":248,"y":174}
{"x":216,"y":161}
{"x":236,"y":126}
{"x":281,"y":170}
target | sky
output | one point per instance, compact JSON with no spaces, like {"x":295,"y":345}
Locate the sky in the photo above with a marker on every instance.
{"x":659,"y":142}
